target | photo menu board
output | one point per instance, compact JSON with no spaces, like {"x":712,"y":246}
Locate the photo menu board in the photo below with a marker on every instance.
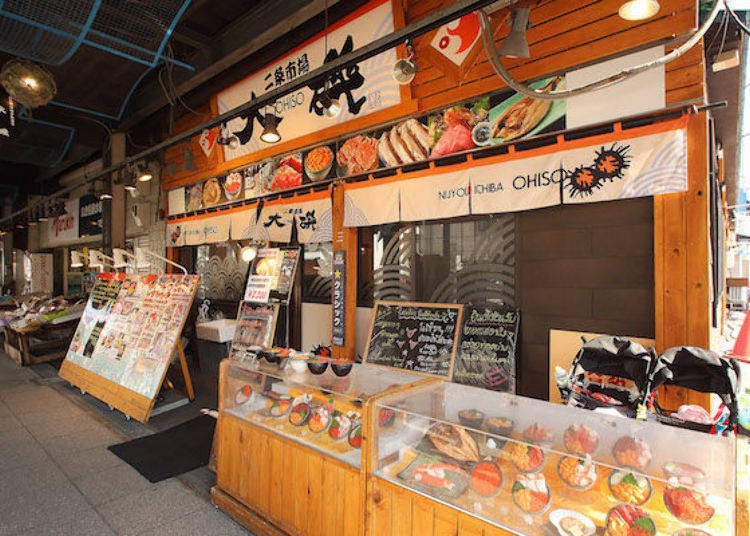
{"x":420,"y":337}
{"x":486,"y":355}
{"x":130,"y":339}
{"x":256,"y":325}
{"x":271,"y":276}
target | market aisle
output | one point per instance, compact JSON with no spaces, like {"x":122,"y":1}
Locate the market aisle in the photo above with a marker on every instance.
{"x":58,"y":478}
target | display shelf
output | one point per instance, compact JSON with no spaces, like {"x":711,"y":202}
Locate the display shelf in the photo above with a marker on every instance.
{"x":544,"y":463}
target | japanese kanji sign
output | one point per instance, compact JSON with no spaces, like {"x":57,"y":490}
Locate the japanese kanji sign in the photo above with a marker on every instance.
{"x":361,"y":89}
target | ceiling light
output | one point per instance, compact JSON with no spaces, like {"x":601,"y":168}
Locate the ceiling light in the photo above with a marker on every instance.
{"x":248,"y":253}
{"x":27,"y":82}
{"x":331,"y":107}
{"x":270,"y":132}
{"x":30,"y":82}
{"x":639,"y":9}
{"x":44,"y":213}
{"x":76,"y":259}
{"x":404,"y":71}
{"x":101,"y":189}
{"x":515,"y":44}
{"x":144,"y":174}
{"x":20,"y":225}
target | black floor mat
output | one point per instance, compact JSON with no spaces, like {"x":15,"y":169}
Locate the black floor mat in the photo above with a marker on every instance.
{"x":172,"y":452}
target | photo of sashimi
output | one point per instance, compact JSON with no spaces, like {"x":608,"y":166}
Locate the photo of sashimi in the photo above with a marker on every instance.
{"x":405,"y":143}
{"x":357,"y":155}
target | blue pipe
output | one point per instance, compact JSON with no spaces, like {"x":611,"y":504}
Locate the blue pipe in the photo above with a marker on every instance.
{"x":171,"y":28}
{"x":84,"y":110}
{"x":80,"y":39}
{"x":71,"y":132}
{"x":82,"y":35}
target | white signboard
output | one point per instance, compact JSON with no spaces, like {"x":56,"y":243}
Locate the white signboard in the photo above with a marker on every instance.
{"x":362,"y":89}
{"x":63,"y":230}
{"x":41,"y":272}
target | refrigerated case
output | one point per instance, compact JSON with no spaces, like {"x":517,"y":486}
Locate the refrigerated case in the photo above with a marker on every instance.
{"x":492,"y":463}
{"x":290,"y":447}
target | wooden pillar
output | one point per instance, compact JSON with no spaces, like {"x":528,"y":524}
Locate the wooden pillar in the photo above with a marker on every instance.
{"x":117,"y":221}
{"x":682,"y":263}
{"x":345,"y":239}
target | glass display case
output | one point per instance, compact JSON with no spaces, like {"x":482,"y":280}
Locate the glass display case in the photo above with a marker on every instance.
{"x":322,"y":411}
{"x":536,"y":468}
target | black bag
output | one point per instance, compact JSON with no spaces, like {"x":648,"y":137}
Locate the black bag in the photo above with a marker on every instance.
{"x":611,"y":356}
{"x":700,"y":370}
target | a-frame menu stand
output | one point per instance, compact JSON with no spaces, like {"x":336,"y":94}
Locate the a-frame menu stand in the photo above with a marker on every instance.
{"x":129,"y":402}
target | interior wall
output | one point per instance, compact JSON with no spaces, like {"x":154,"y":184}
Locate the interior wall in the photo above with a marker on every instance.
{"x":587,"y":267}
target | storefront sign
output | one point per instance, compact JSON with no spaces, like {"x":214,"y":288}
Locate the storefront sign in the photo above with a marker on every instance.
{"x":89,"y":216}
{"x":339,"y":298}
{"x":63,"y":230}
{"x":642,"y":162}
{"x":275,"y":223}
{"x":362,"y":89}
{"x":205,"y":230}
{"x":486,"y":355}
{"x":421,"y":337}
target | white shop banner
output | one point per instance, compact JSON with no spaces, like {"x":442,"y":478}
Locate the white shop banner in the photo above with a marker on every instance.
{"x":436,"y":197}
{"x":371,"y":205}
{"x":637,"y":167}
{"x":208,"y":230}
{"x":362,"y":89}
{"x":176,"y":201}
{"x":175,"y":234}
{"x":314,"y":220}
{"x":275,"y":223}
{"x":242,"y":223}
{"x":516,"y":185}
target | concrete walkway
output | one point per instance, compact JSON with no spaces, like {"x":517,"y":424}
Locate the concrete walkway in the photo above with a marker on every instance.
{"x":58,"y":478}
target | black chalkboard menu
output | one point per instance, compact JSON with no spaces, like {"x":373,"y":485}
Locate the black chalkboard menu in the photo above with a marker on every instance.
{"x":420,"y":337}
{"x":486,"y":355}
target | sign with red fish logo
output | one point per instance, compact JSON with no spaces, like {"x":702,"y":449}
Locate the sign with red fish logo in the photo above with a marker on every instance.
{"x":456,"y":39}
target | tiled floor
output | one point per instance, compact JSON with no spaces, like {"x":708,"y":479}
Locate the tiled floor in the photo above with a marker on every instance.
{"x":58,"y":478}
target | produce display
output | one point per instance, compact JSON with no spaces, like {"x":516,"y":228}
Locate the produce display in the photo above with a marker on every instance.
{"x":572,"y":473}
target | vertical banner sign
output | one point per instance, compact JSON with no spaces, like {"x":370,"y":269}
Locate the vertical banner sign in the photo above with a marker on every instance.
{"x":486,"y":355}
{"x":339,"y":298}
{"x":362,"y":89}
{"x":89,"y":216}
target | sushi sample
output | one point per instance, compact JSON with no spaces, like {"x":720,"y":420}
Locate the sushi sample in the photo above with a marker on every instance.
{"x":300,"y":414}
{"x":340,"y":426}
{"x":355,"y":436}
{"x":578,"y":473}
{"x":630,"y":487}
{"x":629,"y":520}
{"x":632,"y":452}
{"x":572,"y":523}
{"x":580,"y":439}
{"x":243,"y":394}
{"x":688,"y":505}
{"x":279,"y":408}
{"x":526,"y":458}
{"x":440,"y":478}
{"x":531,"y":494}
{"x":499,"y":426}
{"x":320,"y":419}
{"x":536,"y":433}
{"x":386,"y":416}
{"x":341,"y":368}
{"x":486,"y":479}
{"x":473,"y":418}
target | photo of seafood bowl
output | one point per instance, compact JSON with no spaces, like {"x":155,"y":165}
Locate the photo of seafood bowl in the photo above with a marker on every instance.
{"x":318,"y":163}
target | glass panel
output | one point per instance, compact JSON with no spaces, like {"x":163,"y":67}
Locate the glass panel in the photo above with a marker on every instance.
{"x":321,"y":411}
{"x":525,"y":464}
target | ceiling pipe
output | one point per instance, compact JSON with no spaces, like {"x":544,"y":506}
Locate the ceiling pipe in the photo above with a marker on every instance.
{"x":456,"y":10}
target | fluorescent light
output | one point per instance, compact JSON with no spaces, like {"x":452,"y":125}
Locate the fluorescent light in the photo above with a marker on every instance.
{"x":639,"y":9}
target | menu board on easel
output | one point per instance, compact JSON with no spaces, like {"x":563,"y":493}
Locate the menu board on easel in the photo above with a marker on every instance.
{"x":123,"y":345}
{"x":256,"y":325}
{"x":486,"y":355}
{"x":271,"y":275}
{"x":419,"y":337}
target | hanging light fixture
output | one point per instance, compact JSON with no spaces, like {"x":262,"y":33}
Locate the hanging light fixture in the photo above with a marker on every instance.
{"x":144,"y":173}
{"x":515,"y":44}
{"x":404,"y":70}
{"x":44,"y":212}
{"x":28,"y":83}
{"x":270,"y":132}
{"x":331,"y":107}
{"x":101,"y":189}
{"x":639,"y":9}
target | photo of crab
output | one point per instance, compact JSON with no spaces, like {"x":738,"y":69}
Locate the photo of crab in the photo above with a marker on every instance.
{"x":519,"y":116}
